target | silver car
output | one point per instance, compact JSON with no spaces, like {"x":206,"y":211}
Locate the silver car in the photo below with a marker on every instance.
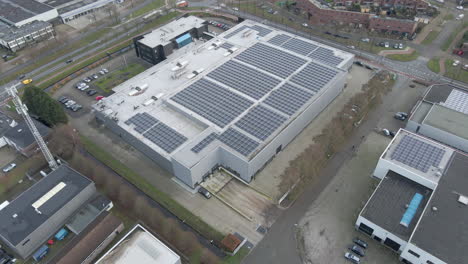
{"x":10,"y":167}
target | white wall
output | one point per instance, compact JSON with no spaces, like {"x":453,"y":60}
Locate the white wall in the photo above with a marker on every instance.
{"x":384,"y":166}
{"x":381,"y":233}
{"x":423,"y":256}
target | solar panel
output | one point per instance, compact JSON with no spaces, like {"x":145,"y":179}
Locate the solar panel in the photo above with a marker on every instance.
{"x":279,"y":39}
{"x":226,"y":45}
{"x":417,"y":154}
{"x":238,"y":141}
{"x":457,"y":100}
{"x":314,"y":76}
{"x":272,"y":60}
{"x":244,"y":79}
{"x":204,"y":142}
{"x":142,"y":121}
{"x":326,"y":56}
{"x":299,"y":46}
{"x":213,"y":102}
{"x":260,"y":122}
{"x":288,"y":98}
{"x":165,"y":137}
{"x":262,"y":31}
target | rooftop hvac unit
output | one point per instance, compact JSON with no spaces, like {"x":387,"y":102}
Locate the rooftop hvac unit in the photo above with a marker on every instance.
{"x":195,"y":73}
{"x":463,"y":199}
{"x":148,"y":102}
{"x":176,"y":75}
{"x":247,"y":33}
{"x":138,"y":90}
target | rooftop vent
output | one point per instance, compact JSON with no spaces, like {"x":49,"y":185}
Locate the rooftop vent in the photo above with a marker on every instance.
{"x":463,"y":199}
{"x":15,"y":215}
{"x":19,"y":130}
{"x":138,"y":90}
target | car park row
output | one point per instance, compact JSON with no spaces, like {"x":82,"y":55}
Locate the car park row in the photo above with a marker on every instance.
{"x":358,"y":249}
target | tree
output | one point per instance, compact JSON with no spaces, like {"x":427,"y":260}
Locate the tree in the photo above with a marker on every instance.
{"x":41,"y":104}
{"x":64,"y":140}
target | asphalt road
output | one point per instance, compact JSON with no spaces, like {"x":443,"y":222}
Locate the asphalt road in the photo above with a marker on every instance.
{"x":279,"y":245}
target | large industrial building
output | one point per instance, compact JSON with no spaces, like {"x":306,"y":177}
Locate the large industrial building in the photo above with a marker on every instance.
{"x":442,"y":115}
{"x":72,"y":9}
{"x":32,"y":218}
{"x":157,"y":45}
{"x":419,"y":208}
{"x":234,"y":101}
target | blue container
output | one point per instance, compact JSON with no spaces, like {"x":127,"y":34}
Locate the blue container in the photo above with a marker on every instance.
{"x":183,"y":40}
{"x":61,"y":234}
{"x":41,"y":252}
{"x":412,"y":209}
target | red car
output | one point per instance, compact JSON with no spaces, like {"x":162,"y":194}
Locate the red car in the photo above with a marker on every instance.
{"x":458,"y":52}
{"x":99,"y":98}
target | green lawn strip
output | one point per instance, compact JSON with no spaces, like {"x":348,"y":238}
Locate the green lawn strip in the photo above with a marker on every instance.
{"x":146,"y":9}
{"x":430,"y":37}
{"x":449,"y":17}
{"x":456,"y":73}
{"x":12,"y":177}
{"x":452,"y":36}
{"x":404,"y":57}
{"x":117,"y":77}
{"x":433,"y":65}
{"x":236,"y":259}
{"x":165,"y":200}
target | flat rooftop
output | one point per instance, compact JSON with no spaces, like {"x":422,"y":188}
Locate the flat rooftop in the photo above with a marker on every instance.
{"x":418,"y":154}
{"x":164,"y":34}
{"x":438,"y":93}
{"x":69,"y":8}
{"x":19,"y":219}
{"x":14,"y":11}
{"x":443,"y":232}
{"x":230,"y":91}
{"x":388,"y":203}
{"x":139,"y":246}
{"x":21,"y":134}
{"x":448,"y":120}
{"x":9,"y":33}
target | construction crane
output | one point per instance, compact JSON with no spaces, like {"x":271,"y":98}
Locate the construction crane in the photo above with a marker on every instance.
{"x":23,"y":110}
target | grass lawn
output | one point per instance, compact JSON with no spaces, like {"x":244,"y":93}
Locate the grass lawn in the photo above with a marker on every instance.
{"x":449,"y":17}
{"x":11,"y":178}
{"x":433,"y":65}
{"x":452,"y":36}
{"x":161,"y":197}
{"x":430,"y":37}
{"x":146,"y":9}
{"x":117,"y":77}
{"x":456,"y":73}
{"x":404,"y":57}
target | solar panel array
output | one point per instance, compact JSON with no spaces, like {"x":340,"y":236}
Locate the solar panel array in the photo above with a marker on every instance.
{"x":417,"y":154}
{"x":262,"y":31}
{"x":205,"y":142}
{"x":458,"y":101}
{"x":213,"y":102}
{"x":142,"y":122}
{"x":288,"y":98}
{"x":279,"y":39}
{"x":165,"y":137}
{"x":272,"y":60}
{"x":314,"y":76}
{"x":233,"y":33}
{"x":238,"y":141}
{"x":226,"y":45}
{"x":299,"y":46}
{"x":244,"y":79}
{"x":326,"y":55}
{"x":260,"y":122}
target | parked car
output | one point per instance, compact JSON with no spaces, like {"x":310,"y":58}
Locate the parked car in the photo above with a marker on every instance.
{"x":305,"y":25}
{"x":62,"y":98}
{"x":386,"y":44}
{"x":91,"y":92}
{"x":83,"y":88}
{"x":460,"y":7}
{"x":235,"y":9}
{"x":10,"y":167}
{"x":21,"y":77}
{"x":204,"y":192}
{"x":87,"y":80}
{"x":400,"y":46}
{"x":352,"y":258}
{"x":102,"y":72}
{"x":105,"y":70}
{"x":401,"y":116}
{"x":395,"y":46}
{"x":358,"y":63}
{"x":328,"y":33}
{"x":69,"y":61}
{"x":351,"y":47}
{"x":455,"y":63}
{"x":365,"y":40}
{"x":95,"y":76}
{"x":69,"y":104}
{"x":76,"y":107}
{"x":99,"y":98}
{"x":465,"y":67}
{"x":458,"y":52}
{"x":356,"y":249}
{"x":382,"y":44}
{"x":360,"y":242}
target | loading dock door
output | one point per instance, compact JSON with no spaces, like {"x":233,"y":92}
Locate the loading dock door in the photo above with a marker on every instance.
{"x":392,"y":244}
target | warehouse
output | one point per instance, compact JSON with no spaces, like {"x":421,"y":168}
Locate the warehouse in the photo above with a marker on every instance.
{"x":226,"y":102}
{"x":155,"y":46}
{"x":21,"y":12}
{"x":30,"y":219}
{"x":420,"y":202}
{"x":442,"y":115}
{"x":14,"y":38}
{"x":70,"y":10}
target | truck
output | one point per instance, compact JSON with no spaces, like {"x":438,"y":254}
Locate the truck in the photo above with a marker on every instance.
{"x":181,"y":4}
{"x":41,"y":253}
